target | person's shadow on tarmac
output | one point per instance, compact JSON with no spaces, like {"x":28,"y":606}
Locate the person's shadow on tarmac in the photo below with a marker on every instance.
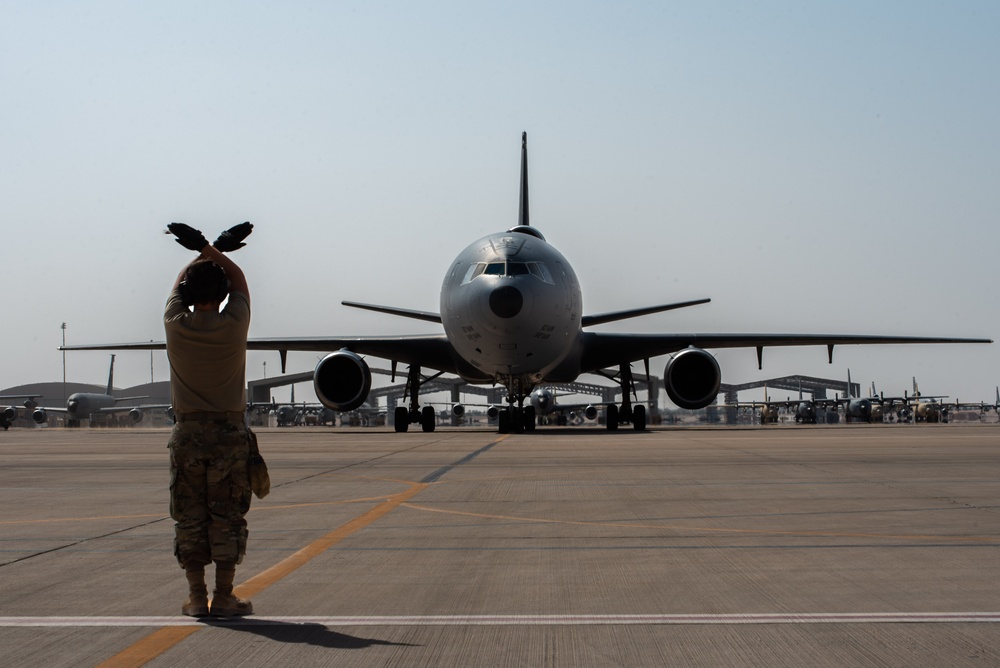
{"x":306,"y":633}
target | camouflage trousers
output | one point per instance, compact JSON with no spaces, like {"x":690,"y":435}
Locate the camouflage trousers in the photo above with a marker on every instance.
{"x":209,"y":491}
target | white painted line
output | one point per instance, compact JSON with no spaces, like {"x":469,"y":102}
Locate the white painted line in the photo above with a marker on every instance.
{"x":520,"y":620}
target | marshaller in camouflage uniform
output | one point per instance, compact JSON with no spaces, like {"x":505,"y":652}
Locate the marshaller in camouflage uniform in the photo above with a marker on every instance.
{"x":209,"y":445}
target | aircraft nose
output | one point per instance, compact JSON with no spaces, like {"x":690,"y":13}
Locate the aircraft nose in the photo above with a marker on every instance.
{"x":506,"y":301}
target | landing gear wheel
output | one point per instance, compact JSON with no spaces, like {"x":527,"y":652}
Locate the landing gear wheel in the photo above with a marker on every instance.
{"x":517,"y":421}
{"x":402,"y":421}
{"x":639,"y":418}
{"x":503,"y":421}
{"x":612,"y":417}
{"x":427,"y":419}
{"x":529,"y":418}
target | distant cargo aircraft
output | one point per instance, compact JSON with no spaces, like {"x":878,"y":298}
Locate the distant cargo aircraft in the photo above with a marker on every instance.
{"x":9,"y":413}
{"x":543,"y":400}
{"x":981,"y":406}
{"x":84,"y":405}
{"x":512,"y":312}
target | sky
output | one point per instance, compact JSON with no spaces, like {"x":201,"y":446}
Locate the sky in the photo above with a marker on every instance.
{"x":810,"y":167}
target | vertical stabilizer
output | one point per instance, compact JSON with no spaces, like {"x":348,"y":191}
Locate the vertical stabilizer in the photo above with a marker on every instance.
{"x":522,"y":211}
{"x":111,"y":376}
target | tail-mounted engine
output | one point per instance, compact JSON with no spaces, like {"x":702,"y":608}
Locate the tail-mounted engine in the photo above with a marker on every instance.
{"x":692,"y":378}
{"x":342,"y":380}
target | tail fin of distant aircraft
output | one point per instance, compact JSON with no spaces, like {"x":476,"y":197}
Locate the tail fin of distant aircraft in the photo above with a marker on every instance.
{"x":111,"y":376}
{"x":850,"y":390}
{"x":522,"y":211}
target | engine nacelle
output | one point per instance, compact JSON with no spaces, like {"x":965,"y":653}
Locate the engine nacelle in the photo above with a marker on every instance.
{"x":136,"y":415}
{"x":692,"y":378}
{"x":590,"y":412}
{"x":342,"y":380}
{"x":458,"y":410}
{"x":493,"y":412}
{"x":39,"y":416}
{"x":9,"y":413}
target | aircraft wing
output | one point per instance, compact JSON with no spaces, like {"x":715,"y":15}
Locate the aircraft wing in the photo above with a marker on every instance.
{"x":432,"y":351}
{"x":126,"y":409}
{"x":607,"y":349}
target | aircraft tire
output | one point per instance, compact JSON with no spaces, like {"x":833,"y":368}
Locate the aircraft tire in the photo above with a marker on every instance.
{"x":639,"y":418}
{"x":427,"y":419}
{"x":529,"y":418}
{"x":503,"y":421}
{"x":612,"y":417}
{"x":402,"y":421}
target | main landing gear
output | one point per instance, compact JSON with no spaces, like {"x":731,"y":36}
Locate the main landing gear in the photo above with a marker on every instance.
{"x":626,"y":413}
{"x":516,"y":420}
{"x":404,"y":416}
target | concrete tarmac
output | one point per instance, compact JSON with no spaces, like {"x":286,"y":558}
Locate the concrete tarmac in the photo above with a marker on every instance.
{"x":774,"y":546}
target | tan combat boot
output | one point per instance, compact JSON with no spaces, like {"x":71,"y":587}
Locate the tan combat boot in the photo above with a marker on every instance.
{"x":197,"y":603}
{"x":224,"y":602}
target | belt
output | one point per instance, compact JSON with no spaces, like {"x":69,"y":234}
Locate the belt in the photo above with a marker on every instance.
{"x":227,"y":416}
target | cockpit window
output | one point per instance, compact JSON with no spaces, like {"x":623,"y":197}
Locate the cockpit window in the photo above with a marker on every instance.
{"x":508,"y":268}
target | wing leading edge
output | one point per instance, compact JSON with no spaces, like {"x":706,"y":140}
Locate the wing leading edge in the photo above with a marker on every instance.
{"x":601,"y":350}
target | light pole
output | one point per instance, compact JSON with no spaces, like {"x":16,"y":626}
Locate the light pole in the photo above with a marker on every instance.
{"x":64,"y":359}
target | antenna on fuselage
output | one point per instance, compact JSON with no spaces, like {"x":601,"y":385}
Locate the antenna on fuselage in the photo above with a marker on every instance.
{"x":522,"y":214}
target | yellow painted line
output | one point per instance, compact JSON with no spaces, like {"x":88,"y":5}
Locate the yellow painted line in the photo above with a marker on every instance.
{"x":155,"y":644}
{"x":150,"y":647}
{"x":268,"y":577}
{"x":681,"y":527}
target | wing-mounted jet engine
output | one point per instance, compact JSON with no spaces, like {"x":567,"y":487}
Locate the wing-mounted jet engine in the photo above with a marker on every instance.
{"x":692,"y":378}
{"x":342,"y":381}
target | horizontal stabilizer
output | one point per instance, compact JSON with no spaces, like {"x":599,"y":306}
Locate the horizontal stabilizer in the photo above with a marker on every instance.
{"x":406,"y":313}
{"x":601,"y":318}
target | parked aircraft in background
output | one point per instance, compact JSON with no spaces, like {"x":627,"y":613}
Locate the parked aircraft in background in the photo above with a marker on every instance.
{"x":856,"y":409}
{"x":930,"y":410}
{"x":804,"y":409}
{"x":543,"y":400}
{"x":511,"y":308}
{"x":85,"y":405}
{"x":9,"y":413}
{"x":982,"y":406}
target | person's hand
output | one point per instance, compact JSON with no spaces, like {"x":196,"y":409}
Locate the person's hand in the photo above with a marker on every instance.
{"x":232,"y":239}
{"x":187,"y":236}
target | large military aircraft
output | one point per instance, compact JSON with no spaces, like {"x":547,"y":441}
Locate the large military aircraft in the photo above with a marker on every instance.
{"x":84,"y":405}
{"x":512,"y":312}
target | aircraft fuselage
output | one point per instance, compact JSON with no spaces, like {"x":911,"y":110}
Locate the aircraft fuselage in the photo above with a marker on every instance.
{"x":511,"y":307}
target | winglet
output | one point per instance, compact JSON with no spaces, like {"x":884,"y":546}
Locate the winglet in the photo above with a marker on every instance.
{"x":522,"y":211}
